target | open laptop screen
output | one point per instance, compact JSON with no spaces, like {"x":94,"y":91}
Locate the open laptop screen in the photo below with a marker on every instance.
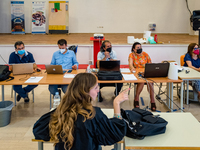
{"x":109,"y":65}
{"x":156,"y":70}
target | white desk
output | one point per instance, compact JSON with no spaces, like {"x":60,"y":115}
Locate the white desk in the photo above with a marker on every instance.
{"x":186,"y":77}
{"x":183,"y":132}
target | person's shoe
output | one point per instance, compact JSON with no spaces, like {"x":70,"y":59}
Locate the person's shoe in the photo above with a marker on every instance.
{"x":136,"y":104}
{"x":59,"y":91}
{"x":26,"y":99}
{"x":18,"y":97}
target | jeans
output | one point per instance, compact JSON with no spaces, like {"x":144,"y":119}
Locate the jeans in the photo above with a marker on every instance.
{"x":23,"y":91}
{"x":54,"y":88}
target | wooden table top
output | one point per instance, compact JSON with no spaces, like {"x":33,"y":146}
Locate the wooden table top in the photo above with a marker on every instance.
{"x":59,"y":79}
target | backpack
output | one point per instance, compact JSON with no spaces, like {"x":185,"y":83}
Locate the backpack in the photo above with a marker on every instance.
{"x":5,"y":73}
{"x":141,"y":123}
{"x":109,"y":75}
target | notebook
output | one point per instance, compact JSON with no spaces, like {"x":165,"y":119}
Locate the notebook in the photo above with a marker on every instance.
{"x":24,"y":68}
{"x":156,"y":70}
{"x":109,"y":65}
{"x":54,"y":69}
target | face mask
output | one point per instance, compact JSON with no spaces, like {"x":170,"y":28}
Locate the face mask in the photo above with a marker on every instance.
{"x":62,"y":50}
{"x":109,"y":49}
{"x":196,"y":51}
{"x":21,"y":52}
{"x":139,"y":51}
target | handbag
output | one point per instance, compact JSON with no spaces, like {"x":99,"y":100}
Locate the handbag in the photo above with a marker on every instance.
{"x":141,"y":123}
{"x":5,"y":73}
{"x":109,"y":75}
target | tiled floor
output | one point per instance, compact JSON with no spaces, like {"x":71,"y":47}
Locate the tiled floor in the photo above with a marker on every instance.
{"x":18,"y":134}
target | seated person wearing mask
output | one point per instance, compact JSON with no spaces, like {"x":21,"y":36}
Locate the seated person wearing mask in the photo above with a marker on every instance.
{"x":138,"y":59}
{"x":67,"y":59}
{"x":20,"y":55}
{"x":107,"y":54}
{"x":192,"y":60}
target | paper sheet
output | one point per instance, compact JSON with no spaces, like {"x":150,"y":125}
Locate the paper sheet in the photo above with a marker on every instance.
{"x":69,"y":75}
{"x":129,"y":77}
{"x":125,"y":70}
{"x":33,"y":80}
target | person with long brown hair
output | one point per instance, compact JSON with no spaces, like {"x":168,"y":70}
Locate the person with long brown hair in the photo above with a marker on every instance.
{"x":192,"y":60}
{"x":76,"y":124}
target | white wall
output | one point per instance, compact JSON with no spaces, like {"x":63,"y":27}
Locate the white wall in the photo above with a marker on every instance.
{"x":116,"y":16}
{"x":43,"y":53}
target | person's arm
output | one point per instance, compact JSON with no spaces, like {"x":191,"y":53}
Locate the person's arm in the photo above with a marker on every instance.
{"x":53,"y":60}
{"x":189,"y":63}
{"x":75,"y":63}
{"x":114,"y":56}
{"x":123,"y":96}
{"x":130,"y":62}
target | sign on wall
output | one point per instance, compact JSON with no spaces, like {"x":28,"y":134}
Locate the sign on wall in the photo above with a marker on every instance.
{"x":38,"y":17}
{"x":17,"y":17}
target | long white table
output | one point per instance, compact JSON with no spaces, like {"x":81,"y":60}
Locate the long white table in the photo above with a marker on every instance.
{"x":186,"y":77}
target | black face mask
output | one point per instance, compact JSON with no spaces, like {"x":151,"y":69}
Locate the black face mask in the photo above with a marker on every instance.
{"x":109,"y":49}
{"x":139,"y":51}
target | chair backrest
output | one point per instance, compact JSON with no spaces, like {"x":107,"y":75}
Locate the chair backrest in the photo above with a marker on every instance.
{"x":182,"y":60}
{"x":73,"y":48}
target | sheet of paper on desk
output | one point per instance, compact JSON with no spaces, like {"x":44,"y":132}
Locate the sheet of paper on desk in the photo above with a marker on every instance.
{"x":129,"y":77}
{"x":69,"y":75}
{"x":126,"y":70}
{"x":33,"y":80}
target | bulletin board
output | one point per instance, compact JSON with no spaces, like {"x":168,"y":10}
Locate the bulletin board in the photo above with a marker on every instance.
{"x":58,"y":17}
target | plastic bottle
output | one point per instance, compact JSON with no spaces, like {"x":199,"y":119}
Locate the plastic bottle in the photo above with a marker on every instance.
{"x":88,"y":69}
{"x":156,"y":38}
{"x":56,"y":100}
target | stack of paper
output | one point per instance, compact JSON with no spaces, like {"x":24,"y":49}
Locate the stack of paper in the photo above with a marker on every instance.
{"x":69,"y":75}
{"x":33,"y":80}
{"x":129,"y":77}
{"x":125,"y":70}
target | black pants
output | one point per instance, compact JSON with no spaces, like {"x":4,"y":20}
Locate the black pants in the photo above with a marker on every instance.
{"x":119,"y":87}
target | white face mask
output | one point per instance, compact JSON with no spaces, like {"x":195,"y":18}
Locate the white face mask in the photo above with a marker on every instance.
{"x":62,"y":50}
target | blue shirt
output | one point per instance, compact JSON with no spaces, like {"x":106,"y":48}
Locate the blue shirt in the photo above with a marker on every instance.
{"x":101,"y":55}
{"x":195,"y":63}
{"x":16,"y":59}
{"x":67,"y":60}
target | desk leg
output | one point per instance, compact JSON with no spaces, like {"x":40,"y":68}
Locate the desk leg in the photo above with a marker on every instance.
{"x":187,"y":86}
{"x":2,"y":89}
{"x":117,"y":146}
{"x":181,"y":96}
{"x":50,"y":101}
{"x":168,"y":95}
{"x":171,"y":96}
{"x":184,"y":98}
{"x":116,"y":89}
{"x":15,"y":96}
{"x":40,"y":145}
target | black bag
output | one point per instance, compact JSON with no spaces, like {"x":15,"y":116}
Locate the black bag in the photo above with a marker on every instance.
{"x":73,"y":48}
{"x":41,"y":127}
{"x":141,"y":123}
{"x":5,"y":73}
{"x":109,"y":75}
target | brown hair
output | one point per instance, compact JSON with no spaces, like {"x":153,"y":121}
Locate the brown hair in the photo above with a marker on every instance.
{"x":75,"y":101}
{"x":191,"y":47}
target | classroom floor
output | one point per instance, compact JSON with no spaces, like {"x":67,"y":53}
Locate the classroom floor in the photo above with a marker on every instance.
{"x":84,"y":38}
{"x":18,"y":134}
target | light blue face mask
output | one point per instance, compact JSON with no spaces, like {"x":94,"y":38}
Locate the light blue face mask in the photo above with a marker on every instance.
{"x":21,"y":52}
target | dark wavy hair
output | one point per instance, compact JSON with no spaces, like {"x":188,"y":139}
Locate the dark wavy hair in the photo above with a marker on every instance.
{"x":134,"y":44}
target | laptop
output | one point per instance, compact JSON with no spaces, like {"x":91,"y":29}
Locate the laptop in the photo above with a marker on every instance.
{"x":24,"y":68}
{"x":109,"y":65}
{"x":54,"y":69}
{"x":153,"y":70}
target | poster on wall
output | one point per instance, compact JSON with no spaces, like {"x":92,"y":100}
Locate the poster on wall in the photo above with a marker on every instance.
{"x":17,"y":17}
{"x":38,"y":17}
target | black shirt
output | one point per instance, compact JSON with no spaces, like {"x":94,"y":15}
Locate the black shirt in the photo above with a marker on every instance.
{"x":90,"y":134}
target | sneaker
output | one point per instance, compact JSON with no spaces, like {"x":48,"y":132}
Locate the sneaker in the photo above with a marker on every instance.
{"x":26,"y":99}
{"x":18,"y":97}
{"x":59,"y":91}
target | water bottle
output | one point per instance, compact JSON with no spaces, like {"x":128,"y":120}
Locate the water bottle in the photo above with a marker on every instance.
{"x":56,"y":100}
{"x":88,"y":70}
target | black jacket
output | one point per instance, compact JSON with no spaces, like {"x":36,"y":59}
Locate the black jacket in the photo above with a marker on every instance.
{"x":88,"y":135}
